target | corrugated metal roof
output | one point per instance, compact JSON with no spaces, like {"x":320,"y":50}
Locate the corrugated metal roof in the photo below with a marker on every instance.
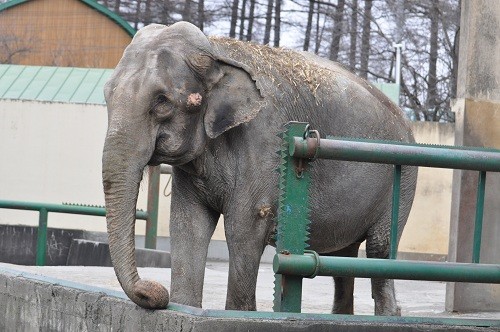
{"x":56,"y":84}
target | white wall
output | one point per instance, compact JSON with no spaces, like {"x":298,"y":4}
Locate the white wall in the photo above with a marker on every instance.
{"x":51,"y":152}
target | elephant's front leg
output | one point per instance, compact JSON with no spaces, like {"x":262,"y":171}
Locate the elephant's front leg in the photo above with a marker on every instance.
{"x":191,"y":227}
{"x":246,"y":239}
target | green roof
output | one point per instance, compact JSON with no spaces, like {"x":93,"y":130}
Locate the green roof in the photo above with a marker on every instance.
{"x":391,"y":90}
{"x":53,"y":84}
{"x":92,"y":4}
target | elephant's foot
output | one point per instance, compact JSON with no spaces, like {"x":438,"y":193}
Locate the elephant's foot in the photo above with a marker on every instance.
{"x":385,"y":298}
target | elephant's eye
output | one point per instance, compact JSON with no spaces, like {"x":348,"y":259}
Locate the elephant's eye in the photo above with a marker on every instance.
{"x":162,"y":107}
{"x":161,"y":99}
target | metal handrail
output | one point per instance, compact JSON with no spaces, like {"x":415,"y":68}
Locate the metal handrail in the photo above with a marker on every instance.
{"x":300,"y":147}
{"x":151,"y":215}
{"x":44,"y":209}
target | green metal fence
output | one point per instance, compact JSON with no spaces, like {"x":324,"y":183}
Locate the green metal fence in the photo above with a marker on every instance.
{"x":300,"y":147}
{"x":151,"y":215}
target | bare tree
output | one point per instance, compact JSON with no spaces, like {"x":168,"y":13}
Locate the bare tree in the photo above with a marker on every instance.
{"x":353,"y":35}
{"x":201,"y":14}
{"x":242,"y":19}
{"x":234,"y":19}
{"x":251,"y":17}
{"x":365,"y":39}
{"x":186,"y":11}
{"x":338,"y":18}
{"x":277,"y":23}
{"x":360,"y":35}
{"x":433,"y":57}
{"x":269,"y":18}
{"x":320,"y":28}
{"x":307,"y":35}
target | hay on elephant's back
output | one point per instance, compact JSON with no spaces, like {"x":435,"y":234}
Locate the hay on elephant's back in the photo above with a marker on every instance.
{"x":270,"y":61}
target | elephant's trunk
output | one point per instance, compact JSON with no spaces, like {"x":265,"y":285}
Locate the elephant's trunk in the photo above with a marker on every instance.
{"x":121,"y":187}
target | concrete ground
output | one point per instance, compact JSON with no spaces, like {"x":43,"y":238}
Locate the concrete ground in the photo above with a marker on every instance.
{"x":416,"y":298}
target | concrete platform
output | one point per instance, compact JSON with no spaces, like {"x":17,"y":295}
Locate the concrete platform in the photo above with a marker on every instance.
{"x":23,"y":288}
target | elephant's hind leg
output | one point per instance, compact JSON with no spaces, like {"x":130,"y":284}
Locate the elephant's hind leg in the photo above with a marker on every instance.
{"x":343,"y":301}
{"x":383,"y":293}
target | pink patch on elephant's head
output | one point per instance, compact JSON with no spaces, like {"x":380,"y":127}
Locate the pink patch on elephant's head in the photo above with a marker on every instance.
{"x":194,"y":100}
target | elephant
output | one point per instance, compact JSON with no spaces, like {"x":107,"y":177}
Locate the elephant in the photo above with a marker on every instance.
{"x":212,"y":108}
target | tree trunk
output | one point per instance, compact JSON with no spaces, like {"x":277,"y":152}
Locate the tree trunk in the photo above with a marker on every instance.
{"x":242,"y":19}
{"x":353,"y":35}
{"x":307,"y":36}
{"x":186,"y":11}
{"x":277,"y":23}
{"x":234,"y":18}
{"x":433,"y":56}
{"x":147,"y":13}
{"x":116,"y":9}
{"x":251,"y":17}
{"x":269,"y":19}
{"x":201,"y":14}
{"x":337,"y":30}
{"x":365,"y":39}
{"x":137,"y":17}
{"x":319,"y":32}
{"x":454,"y":70}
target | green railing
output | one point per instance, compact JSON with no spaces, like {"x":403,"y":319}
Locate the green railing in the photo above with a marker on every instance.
{"x":151,"y":215}
{"x":292,"y":262}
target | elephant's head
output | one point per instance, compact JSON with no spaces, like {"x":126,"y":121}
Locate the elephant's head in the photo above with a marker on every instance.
{"x":168,"y":96}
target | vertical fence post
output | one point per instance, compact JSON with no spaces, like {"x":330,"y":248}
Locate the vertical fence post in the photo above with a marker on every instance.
{"x":41,"y":243}
{"x":478,"y":224}
{"x":396,"y":188}
{"x":293,"y":218}
{"x":153,"y":201}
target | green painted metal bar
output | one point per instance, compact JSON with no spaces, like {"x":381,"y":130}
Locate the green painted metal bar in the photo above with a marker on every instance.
{"x":60,"y":208}
{"x":293,"y":218}
{"x":153,"y":202}
{"x":396,"y":188}
{"x":41,"y":242}
{"x":44,"y":209}
{"x":478,"y":225}
{"x":397,"y":153}
{"x":305,"y":266}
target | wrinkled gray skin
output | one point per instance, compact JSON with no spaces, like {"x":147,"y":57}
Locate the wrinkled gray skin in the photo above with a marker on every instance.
{"x":212,"y":109}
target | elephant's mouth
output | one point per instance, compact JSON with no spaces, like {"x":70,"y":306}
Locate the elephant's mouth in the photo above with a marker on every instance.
{"x":172,"y":159}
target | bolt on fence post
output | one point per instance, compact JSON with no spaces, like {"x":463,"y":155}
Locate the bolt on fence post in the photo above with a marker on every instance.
{"x":153,"y":202}
{"x":41,"y":243}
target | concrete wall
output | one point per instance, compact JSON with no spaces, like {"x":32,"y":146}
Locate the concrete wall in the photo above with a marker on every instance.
{"x":51,"y":152}
{"x":36,"y":303}
{"x":477,"y":110}
{"x":428,"y":226}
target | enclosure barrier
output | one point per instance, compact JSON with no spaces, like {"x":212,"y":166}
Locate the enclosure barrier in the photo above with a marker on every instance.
{"x":300,"y":147}
{"x":151,"y":215}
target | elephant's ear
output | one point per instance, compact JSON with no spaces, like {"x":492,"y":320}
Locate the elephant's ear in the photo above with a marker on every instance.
{"x":233,"y":98}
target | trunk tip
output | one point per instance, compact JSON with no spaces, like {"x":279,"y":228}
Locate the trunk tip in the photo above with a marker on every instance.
{"x":150,"y":295}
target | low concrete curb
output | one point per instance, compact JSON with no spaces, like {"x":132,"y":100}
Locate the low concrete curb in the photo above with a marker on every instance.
{"x":31,"y":302}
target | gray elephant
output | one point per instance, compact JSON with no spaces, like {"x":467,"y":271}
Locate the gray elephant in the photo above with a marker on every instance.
{"x":212,"y":108}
